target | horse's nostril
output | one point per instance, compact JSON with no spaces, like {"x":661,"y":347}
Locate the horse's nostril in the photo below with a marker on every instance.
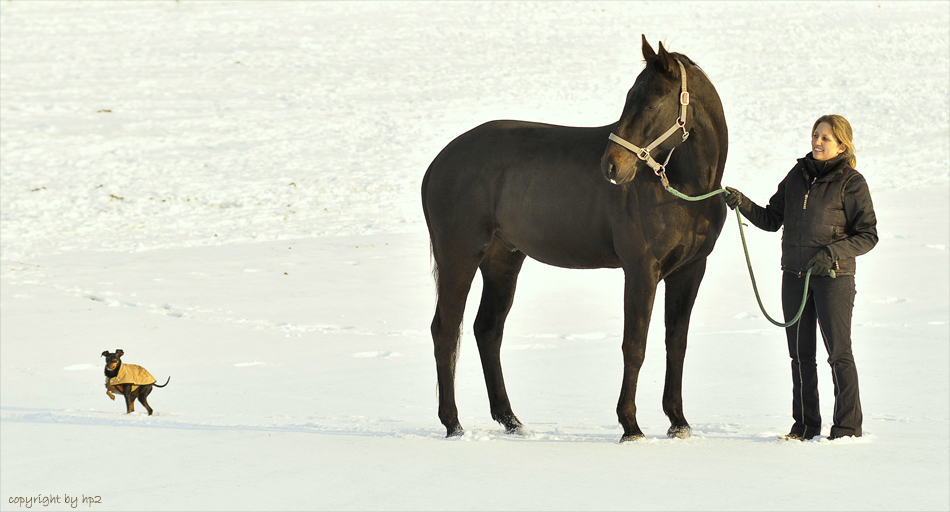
{"x":610,"y":172}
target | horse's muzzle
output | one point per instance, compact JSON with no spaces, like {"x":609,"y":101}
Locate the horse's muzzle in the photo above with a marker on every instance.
{"x":611,"y":170}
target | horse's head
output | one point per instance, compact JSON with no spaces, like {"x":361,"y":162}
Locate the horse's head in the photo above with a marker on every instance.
{"x":655,"y":118}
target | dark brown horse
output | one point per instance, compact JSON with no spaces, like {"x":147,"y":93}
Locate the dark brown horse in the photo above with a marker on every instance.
{"x":578,"y":198}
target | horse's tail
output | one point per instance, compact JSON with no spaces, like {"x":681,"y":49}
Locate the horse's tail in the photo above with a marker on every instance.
{"x":425,"y":193}
{"x":425,"y":212}
{"x":434,"y":263}
{"x":165,"y":384}
{"x":435,"y":268}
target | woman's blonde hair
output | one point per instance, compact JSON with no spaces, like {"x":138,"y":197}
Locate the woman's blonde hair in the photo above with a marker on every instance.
{"x":841,"y":129}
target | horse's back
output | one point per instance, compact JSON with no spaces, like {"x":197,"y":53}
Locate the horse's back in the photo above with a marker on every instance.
{"x":527,"y":184}
{"x":526,"y":136}
{"x":497,"y":149}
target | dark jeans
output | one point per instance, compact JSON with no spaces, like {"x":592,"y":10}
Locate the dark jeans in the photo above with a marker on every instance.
{"x":828,"y":307}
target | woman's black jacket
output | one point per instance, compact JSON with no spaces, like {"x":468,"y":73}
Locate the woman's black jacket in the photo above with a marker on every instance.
{"x":821,"y":205}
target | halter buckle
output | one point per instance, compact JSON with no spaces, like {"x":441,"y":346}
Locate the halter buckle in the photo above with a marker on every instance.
{"x":643,"y":154}
{"x":684,"y":98}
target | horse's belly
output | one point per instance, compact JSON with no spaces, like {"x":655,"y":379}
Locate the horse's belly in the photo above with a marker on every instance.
{"x":566,"y":248}
{"x":573,"y":260}
{"x":567,"y":228}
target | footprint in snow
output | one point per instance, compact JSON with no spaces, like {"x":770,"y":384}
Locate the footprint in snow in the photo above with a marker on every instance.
{"x":528,"y":346}
{"x":377,"y":354}
{"x":891,"y":300}
{"x":588,"y":336}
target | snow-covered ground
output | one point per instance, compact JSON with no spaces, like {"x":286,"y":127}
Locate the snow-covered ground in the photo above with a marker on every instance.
{"x":229,"y":192}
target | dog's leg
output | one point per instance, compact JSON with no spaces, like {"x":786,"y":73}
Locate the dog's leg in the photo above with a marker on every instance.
{"x":129,"y":399}
{"x":143,"y":394}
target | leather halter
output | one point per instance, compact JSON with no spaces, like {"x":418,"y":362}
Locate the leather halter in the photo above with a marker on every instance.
{"x":680,"y":124}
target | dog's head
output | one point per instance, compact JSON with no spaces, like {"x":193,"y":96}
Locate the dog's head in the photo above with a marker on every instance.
{"x":113,"y":361}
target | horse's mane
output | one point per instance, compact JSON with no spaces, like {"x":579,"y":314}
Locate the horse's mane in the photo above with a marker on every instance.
{"x":675,"y":55}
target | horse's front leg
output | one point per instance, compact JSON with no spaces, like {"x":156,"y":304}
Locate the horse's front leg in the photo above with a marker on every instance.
{"x":681,"y":289}
{"x":639,"y":292}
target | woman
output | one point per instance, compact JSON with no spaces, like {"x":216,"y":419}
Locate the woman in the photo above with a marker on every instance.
{"x":825,"y":208}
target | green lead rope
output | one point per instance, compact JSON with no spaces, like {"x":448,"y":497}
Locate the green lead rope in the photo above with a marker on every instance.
{"x":681,"y":195}
{"x":748,"y":261}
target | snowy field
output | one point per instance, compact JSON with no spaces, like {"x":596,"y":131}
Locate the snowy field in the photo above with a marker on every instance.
{"x":229,"y":192}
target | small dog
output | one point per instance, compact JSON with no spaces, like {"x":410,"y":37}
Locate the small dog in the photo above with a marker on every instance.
{"x":129,"y":380}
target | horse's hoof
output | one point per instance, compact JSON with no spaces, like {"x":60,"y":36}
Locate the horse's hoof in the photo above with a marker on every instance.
{"x":638,"y":436}
{"x":456,"y":431}
{"x":679,"y":432}
{"x":513,"y":425}
{"x":516,"y":430}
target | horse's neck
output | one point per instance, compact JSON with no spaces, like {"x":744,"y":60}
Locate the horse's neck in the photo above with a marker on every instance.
{"x":696,"y":168}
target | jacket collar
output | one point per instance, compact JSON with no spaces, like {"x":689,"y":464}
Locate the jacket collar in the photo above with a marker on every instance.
{"x":818,"y":170}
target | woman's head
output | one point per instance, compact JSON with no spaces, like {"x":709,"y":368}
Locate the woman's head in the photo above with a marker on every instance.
{"x":832,"y":136}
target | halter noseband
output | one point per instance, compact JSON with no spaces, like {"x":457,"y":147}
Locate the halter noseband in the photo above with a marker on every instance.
{"x":680,"y":124}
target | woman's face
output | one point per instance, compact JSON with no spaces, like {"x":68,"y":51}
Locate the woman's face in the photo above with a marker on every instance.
{"x":824,"y":146}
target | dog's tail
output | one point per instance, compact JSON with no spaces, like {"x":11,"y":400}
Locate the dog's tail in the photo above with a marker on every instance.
{"x":165,"y":384}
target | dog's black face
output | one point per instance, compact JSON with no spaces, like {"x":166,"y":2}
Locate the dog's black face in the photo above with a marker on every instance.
{"x":113,"y":361}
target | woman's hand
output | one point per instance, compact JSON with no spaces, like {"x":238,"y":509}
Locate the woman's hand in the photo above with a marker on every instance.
{"x":733,"y":198}
{"x":821,"y":263}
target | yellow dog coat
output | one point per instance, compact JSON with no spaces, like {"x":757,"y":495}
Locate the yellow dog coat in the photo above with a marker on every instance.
{"x":129,"y":374}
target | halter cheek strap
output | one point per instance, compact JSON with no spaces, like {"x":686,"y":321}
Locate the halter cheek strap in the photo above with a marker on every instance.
{"x":680,"y":124}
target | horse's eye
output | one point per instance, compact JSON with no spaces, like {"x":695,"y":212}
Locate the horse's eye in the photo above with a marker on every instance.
{"x":651,"y":107}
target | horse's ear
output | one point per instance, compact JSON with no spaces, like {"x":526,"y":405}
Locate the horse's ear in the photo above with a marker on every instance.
{"x":666,"y":61}
{"x":648,"y":52}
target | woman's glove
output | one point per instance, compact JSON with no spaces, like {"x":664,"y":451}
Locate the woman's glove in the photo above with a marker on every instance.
{"x":733,"y":198}
{"x":821,"y":263}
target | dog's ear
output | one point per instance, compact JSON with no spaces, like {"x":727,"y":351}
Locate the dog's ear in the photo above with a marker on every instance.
{"x":105,"y":353}
{"x":119,"y":352}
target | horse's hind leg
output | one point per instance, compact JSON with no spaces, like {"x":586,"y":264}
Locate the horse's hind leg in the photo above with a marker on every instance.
{"x":454,"y":280}
{"x":681,"y":289}
{"x":500,"y":270}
